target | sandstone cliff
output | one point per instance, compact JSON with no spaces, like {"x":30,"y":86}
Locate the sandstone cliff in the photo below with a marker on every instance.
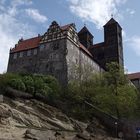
{"x":31,"y":119}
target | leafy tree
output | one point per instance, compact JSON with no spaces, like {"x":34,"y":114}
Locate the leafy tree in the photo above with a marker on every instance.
{"x":119,"y":96}
{"x":110,"y":91}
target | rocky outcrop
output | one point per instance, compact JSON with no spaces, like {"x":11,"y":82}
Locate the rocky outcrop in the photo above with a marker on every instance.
{"x":34,"y":120}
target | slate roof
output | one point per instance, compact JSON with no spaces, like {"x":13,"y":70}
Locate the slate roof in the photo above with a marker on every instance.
{"x":83,"y":30}
{"x":112,"y":21}
{"x":98,"y":45}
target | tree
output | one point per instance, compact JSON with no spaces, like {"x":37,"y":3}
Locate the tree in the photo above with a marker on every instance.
{"x":120,"y":95}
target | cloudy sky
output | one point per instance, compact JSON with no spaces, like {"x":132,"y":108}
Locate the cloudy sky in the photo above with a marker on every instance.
{"x":27,"y":18}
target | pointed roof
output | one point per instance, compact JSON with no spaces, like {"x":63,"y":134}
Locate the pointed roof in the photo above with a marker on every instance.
{"x":112,"y":21}
{"x":84,"y":30}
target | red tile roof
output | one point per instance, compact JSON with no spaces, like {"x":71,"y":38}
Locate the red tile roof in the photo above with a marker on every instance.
{"x":26,"y":44}
{"x":132,"y":76}
{"x":85,"y":50}
{"x":32,"y":42}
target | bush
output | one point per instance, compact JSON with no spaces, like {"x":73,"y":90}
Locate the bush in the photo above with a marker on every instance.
{"x":5,"y":80}
{"x":18,"y":84}
{"x":34,"y":84}
{"x":29,"y":83}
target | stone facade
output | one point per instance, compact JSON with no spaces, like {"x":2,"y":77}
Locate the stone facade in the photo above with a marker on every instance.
{"x":61,"y":52}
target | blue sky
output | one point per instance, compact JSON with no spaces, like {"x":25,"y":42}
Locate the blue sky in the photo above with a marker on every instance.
{"x":27,"y":18}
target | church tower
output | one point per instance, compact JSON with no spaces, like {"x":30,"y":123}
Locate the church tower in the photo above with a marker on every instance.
{"x":111,"y":50}
{"x":85,"y":37}
{"x":113,"y":41}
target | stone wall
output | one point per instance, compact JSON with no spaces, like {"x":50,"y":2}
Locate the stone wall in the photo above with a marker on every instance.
{"x":48,"y":59}
{"x":80,"y":65}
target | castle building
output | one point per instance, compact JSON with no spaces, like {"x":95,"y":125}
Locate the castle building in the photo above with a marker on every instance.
{"x":62,"y":50}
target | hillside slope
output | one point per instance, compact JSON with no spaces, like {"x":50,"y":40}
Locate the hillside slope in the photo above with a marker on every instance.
{"x":31,"y":119}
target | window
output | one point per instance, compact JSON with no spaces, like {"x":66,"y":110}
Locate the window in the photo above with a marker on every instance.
{"x":28,"y":52}
{"x":15,"y":56}
{"x":21,"y":54}
{"x":42,"y":46}
{"x":35,"y":51}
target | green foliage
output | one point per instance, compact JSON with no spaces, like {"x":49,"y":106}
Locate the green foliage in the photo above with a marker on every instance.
{"x":53,"y":86}
{"x":34,"y":84}
{"x":29,"y":83}
{"x":110,"y":91}
{"x":5,"y":80}
{"x":18,"y":84}
{"x":122,"y":95}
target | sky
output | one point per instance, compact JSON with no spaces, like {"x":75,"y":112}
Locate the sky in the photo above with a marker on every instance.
{"x":28,"y":18}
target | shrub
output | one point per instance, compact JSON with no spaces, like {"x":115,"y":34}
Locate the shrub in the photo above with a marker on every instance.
{"x":37,"y":84}
{"x":18,"y":84}
{"x":53,"y":84}
{"x":29,"y":83}
{"x":5,"y":80}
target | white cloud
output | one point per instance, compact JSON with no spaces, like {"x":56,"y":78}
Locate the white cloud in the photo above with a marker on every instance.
{"x":16,"y":3}
{"x":35,"y":15}
{"x":11,"y":29}
{"x":130,"y":11}
{"x":134,"y":43}
{"x":96,"y":11}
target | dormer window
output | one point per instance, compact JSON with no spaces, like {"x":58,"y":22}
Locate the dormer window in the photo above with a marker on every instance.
{"x":28,"y":52}
{"x":42,"y":46}
{"x":15,"y":56}
{"x":35,"y":51}
{"x":21,"y":54}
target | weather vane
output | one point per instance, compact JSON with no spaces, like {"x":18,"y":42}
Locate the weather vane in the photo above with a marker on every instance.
{"x":85,"y":24}
{"x":111,"y":15}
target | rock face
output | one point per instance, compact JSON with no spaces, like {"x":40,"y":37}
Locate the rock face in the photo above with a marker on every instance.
{"x":34,"y":120}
